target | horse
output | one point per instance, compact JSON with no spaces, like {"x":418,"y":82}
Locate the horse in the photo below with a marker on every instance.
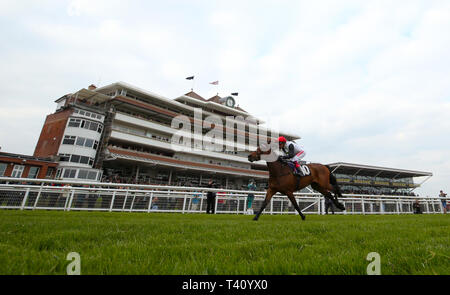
{"x":281,"y":179}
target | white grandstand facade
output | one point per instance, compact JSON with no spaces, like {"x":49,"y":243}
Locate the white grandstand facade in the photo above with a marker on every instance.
{"x":132,"y":142}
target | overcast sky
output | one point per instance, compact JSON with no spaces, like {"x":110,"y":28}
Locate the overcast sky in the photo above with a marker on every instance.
{"x":364,"y":82}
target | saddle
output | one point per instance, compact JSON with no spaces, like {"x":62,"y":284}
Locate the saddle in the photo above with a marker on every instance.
{"x":303,"y":170}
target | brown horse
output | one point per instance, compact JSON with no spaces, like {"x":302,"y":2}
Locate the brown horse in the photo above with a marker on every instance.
{"x":281,"y":179}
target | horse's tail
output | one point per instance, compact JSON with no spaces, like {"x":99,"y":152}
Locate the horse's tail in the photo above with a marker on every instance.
{"x":333,"y":182}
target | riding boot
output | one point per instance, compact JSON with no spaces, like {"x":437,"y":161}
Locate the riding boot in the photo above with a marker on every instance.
{"x":298,"y":172}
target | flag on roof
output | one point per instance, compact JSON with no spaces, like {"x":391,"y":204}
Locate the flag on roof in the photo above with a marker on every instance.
{"x":190,"y":78}
{"x":214,"y":83}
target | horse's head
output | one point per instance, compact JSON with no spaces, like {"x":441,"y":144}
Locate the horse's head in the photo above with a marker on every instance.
{"x":256,"y":155}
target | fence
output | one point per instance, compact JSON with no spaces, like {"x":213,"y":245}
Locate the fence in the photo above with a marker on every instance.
{"x":26,"y":194}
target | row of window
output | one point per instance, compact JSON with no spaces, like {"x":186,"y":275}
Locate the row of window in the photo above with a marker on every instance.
{"x":76,"y":159}
{"x":86,"y":124}
{"x":88,"y":114}
{"x":80,"y":141}
{"x":77,"y":173}
{"x":18,"y":171}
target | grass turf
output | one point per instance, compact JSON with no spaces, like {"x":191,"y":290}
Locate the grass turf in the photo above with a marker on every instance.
{"x":37,"y":242}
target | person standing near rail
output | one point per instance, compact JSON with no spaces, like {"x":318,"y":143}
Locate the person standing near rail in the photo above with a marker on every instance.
{"x":210,"y":199}
{"x":251,"y":187}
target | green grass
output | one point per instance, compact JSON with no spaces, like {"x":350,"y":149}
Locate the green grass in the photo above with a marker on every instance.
{"x":37,"y":242}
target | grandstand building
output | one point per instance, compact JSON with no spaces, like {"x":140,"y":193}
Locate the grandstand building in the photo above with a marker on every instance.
{"x":373,"y":180}
{"x":121,"y":133}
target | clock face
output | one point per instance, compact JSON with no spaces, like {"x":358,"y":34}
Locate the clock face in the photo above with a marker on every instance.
{"x":230,"y":102}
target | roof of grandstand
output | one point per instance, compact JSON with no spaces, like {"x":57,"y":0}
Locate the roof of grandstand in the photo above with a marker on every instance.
{"x":374,"y":171}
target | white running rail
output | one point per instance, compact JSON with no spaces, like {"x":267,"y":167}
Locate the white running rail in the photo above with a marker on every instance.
{"x":48,"y":194}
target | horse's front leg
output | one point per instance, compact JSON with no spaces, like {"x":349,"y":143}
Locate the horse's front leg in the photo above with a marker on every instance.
{"x":269,"y":194}
{"x":291,"y":197}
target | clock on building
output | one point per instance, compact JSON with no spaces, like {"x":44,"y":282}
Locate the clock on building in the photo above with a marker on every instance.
{"x":230,"y":102}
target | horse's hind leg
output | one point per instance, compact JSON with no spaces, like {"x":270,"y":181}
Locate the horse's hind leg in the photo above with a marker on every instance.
{"x":337,"y":192}
{"x":269,"y":195}
{"x":327,"y":194}
{"x":291,"y":197}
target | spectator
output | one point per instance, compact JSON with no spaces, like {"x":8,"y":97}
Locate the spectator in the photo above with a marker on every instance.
{"x":443,"y":196}
{"x":251,"y":187}
{"x":416,"y":206}
{"x":195,"y":201}
{"x":210,"y":199}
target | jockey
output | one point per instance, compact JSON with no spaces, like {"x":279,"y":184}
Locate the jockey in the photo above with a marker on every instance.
{"x":293,"y":152}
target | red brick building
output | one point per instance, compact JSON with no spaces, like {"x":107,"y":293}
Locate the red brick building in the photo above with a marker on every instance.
{"x":23,"y":166}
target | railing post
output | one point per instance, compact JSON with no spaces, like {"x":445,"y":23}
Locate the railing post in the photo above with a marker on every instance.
{"x":125,"y":201}
{"x":428,"y":207}
{"x":237,"y":204}
{"x":132,"y":202}
{"x":319,"y":206}
{"x":201,"y":202}
{"x":150,"y":203}
{"x":215,"y":205}
{"x":184,"y":203}
{"x":71,"y":199}
{"x":271,"y":206}
{"x":38,"y":195}
{"x":363,"y":210}
{"x":112,"y":201}
{"x":24,"y":201}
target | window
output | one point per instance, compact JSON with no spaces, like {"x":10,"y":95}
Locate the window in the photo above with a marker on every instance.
{"x":81,"y":112}
{"x":92,"y":175}
{"x":33,"y":173}
{"x":17,"y":171}
{"x":84,"y":160}
{"x":64,"y":157}
{"x":83,"y":174}
{"x":50,"y":172}
{"x":3,"y":169}
{"x":74,"y":122}
{"x":95,"y":145}
{"x":80,"y":141}
{"x":94,"y":126}
{"x":100,"y":128}
{"x":75,"y":159}
{"x":69,"y":139}
{"x":69,"y":173}
{"x":89,"y":143}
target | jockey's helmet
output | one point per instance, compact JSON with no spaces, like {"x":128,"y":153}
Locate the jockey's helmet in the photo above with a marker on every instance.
{"x":281,"y":139}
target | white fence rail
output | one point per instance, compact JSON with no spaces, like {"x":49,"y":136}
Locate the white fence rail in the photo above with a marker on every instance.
{"x":33,"y":194}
